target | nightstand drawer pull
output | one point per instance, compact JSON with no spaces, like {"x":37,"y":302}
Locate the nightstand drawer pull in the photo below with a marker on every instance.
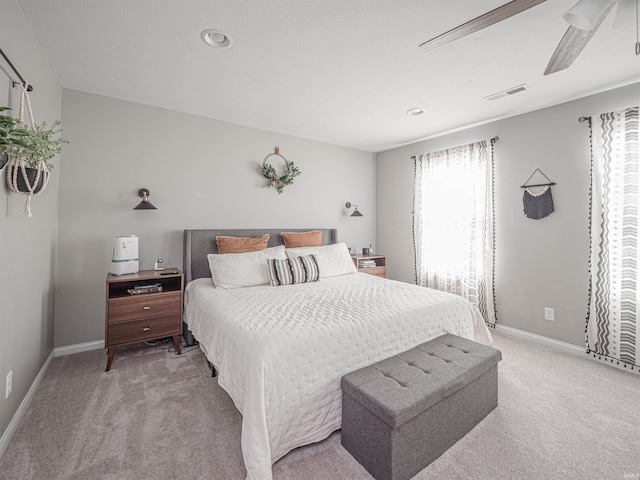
{"x":146,"y":329}
{"x":146,"y":308}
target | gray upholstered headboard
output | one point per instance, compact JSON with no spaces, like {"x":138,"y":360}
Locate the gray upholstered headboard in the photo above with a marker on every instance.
{"x":199,"y":243}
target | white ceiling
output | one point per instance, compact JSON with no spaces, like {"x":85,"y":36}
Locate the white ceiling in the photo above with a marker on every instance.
{"x":336,"y":71}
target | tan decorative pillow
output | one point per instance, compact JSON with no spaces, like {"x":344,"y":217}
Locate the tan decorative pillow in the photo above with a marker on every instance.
{"x":242,"y":244}
{"x":302,"y":239}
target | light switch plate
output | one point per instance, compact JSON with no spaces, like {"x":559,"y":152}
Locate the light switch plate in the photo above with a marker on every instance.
{"x":549,"y":314}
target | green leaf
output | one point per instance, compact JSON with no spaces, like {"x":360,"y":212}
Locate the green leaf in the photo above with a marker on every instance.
{"x":20,"y":143}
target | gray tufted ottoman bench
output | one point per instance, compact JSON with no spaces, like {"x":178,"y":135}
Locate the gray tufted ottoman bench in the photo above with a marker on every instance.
{"x":400,"y":414}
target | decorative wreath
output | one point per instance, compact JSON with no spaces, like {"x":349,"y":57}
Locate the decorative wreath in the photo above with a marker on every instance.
{"x":269,"y":172}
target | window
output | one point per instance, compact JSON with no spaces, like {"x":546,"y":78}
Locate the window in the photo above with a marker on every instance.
{"x":453,"y":223}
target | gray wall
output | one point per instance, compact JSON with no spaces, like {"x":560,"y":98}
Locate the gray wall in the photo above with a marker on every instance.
{"x":27,"y":245}
{"x":538,"y":262}
{"x":201,"y":173}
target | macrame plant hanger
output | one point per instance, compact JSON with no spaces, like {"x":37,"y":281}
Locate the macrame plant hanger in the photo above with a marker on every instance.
{"x":538,"y":204}
{"x":17,"y":166}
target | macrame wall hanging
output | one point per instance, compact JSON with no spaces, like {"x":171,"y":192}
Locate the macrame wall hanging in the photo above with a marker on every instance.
{"x":537,"y":203}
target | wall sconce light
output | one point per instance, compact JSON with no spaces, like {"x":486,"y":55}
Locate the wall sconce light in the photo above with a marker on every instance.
{"x":145,"y":204}
{"x":356,"y":212}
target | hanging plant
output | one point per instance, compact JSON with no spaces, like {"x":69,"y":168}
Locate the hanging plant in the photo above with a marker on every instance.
{"x":11,"y":136}
{"x":29,"y":160}
{"x":279,"y":181}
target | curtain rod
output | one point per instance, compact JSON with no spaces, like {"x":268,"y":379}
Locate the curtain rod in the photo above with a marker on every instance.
{"x":493,"y":142}
{"x":24,"y":82}
{"x":584,"y":119}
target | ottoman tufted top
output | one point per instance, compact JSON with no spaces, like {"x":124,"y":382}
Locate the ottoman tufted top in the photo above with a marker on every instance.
{"x":400,"y":387}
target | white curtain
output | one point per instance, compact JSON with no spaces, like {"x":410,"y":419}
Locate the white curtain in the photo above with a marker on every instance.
{"x":453,"y":223}
{"x":612,"y":323}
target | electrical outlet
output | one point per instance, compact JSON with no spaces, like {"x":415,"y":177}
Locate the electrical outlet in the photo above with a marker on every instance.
{"x":549,"y":314}
{"x":9,"y":385}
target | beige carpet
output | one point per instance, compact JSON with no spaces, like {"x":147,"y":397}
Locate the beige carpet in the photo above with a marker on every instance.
{"x":158,"y":415}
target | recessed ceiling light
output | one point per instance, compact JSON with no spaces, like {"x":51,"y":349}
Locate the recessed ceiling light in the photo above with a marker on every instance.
{"x":215,"y":38}
{"x":415,"y":111}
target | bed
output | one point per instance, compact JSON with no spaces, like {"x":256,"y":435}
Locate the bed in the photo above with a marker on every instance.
{"x":280,"y":351}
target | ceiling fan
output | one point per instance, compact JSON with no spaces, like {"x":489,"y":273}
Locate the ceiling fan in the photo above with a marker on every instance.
{"x":584,"y":19}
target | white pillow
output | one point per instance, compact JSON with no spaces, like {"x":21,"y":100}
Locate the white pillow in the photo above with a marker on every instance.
{"x":333,"y":260}
{"x":235,"y":270}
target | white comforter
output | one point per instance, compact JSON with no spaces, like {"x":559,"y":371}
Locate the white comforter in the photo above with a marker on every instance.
{"x":281,"y":351}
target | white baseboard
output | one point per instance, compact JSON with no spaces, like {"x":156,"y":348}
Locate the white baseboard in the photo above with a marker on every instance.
{"x":567,"y":347}
{"x":78,"y":347}
{"x":17,"y":418}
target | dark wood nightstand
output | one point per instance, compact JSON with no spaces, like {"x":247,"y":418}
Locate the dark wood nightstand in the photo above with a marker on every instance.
{"x":133,"y":318}
{"x":372,"y":264}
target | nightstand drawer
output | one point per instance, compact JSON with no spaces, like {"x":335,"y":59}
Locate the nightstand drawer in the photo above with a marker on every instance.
{"x":144,"y":305}
{"x":145,"y":329}
{"x":377,"y":271}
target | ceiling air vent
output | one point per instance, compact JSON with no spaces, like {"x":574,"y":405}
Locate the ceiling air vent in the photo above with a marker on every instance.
{"x":506,"y":93}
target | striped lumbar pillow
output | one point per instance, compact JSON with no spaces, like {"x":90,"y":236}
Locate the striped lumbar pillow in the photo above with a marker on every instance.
{"x":293,"y":270}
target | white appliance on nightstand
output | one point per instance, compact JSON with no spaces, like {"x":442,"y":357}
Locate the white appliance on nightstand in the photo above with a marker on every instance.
{"x":125,"y":255}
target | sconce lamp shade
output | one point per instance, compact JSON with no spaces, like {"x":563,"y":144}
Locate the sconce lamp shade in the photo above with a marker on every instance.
{"x":145,"y":204}
{"x":356,"y":212}
{"x":586,"y":13}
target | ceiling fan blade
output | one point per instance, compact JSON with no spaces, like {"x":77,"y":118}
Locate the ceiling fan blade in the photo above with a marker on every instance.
{"x":572,"y":43}
{"x":490,"y":18}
